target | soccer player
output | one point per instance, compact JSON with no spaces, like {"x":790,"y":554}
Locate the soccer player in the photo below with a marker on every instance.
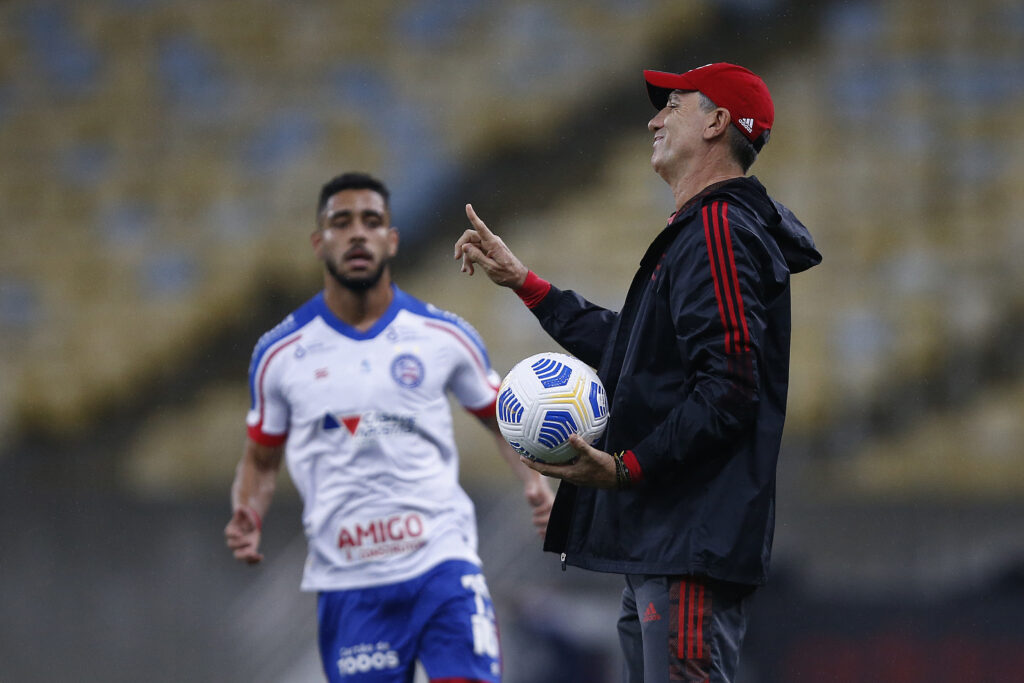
{"x":351,"y":390}
{"x":679,"y":495}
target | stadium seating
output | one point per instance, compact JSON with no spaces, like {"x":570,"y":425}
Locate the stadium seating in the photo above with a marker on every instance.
{"x":159,"y":164}
{"x":178,"y":146}
{"x":161,"y":159}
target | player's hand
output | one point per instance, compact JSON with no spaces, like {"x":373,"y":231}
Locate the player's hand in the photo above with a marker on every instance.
{"x":540,"y":497}
{"x":478,"y":246}
{"x":243,"y":535}
{"x":591,"y":468}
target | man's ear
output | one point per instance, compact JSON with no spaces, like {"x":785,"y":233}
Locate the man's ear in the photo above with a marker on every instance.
{"x":316,"y":238}
{"x":392,"y":241}
{"x":718,"y":123}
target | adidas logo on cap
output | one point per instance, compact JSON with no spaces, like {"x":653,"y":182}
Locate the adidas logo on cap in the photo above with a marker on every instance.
{"x":748,"y":124}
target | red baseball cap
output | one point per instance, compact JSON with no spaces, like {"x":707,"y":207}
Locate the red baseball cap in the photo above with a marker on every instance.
{"x":739,"y":90}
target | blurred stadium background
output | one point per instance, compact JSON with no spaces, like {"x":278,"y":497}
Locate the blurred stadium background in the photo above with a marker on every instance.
{"x":160,"y":161}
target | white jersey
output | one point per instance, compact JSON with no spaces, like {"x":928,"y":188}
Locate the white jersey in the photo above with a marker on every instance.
{"x":370,"y":445}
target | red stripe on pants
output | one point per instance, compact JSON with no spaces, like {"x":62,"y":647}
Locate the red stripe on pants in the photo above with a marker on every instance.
{"x":700,"y":624}
{"x":693,"y":606}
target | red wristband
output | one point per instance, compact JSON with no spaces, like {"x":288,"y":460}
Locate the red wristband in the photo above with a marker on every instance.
{"x":636,"y":474}
{"x":534,"y":289}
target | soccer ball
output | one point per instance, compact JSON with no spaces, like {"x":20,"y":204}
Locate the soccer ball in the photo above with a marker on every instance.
{"x":544,"y":399}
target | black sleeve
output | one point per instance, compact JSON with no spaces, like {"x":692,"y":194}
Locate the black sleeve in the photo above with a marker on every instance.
{"x":580,"y":327}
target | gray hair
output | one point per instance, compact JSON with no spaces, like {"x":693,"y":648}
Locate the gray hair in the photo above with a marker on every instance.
{"x":742,"y":149}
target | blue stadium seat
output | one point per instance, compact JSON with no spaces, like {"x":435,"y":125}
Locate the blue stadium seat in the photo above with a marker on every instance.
{"x":67,"y":63}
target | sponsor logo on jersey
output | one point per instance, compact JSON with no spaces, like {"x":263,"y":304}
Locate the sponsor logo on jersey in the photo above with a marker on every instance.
{"x":366,"y":657}
{"x":407,"y":370}
{"x":382,"y":537}
{"x":370,"y":424}
{"x":351,"y":423}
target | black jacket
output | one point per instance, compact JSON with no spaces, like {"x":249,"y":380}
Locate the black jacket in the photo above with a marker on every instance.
{"x":696,"y":366}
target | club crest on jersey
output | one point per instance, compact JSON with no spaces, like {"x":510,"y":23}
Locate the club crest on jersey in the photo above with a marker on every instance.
{"x":407,"y":370}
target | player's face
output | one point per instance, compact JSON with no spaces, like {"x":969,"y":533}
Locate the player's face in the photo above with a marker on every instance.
{"x":355,"y":239}
{"x":678,"y":130}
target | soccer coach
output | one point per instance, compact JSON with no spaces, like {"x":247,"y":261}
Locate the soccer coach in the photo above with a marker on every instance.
{"x":679,"y":494}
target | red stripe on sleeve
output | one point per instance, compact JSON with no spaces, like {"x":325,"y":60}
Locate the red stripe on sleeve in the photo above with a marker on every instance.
{"x":256,"y":431}
{"x":735,"y":279}
{"x":474,"y":354}
{"x":257,"y":435}
{"x":714,"y":276}
{"x":488,"y":411}
{"x":726,"y":279}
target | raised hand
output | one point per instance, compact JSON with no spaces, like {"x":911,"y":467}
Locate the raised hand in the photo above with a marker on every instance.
{"x":478,"y":246}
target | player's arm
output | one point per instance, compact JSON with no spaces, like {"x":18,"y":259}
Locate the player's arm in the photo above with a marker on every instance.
{"x":536,"y":489}
{"x":251,"y":493}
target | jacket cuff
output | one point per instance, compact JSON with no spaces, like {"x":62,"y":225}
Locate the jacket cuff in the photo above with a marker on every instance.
{"x":534,"y":289}
{"x":636,"y":473}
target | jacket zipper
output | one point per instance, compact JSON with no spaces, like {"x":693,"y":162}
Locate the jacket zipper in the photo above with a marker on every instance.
{"x":563,"y":562}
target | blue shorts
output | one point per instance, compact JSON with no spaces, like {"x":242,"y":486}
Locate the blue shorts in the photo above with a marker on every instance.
{"x":443,"y":618}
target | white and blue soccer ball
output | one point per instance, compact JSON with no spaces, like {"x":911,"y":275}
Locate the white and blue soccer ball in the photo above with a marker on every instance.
{"x":544,"y":399}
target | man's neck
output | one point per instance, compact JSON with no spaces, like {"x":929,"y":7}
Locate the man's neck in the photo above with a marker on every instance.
{"x":711,"y":169}
{"x":358,"y":308}
{"x":687,"y":189}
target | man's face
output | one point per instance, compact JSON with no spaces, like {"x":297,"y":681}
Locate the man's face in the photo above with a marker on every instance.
{"x":355,"y":239}
{"x":678,"y":130}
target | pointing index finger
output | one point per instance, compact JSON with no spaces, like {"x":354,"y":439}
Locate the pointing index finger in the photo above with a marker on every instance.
{"x":478,"y":224}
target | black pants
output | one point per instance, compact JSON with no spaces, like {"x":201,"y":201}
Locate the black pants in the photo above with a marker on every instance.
{"x":681,"y":628}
